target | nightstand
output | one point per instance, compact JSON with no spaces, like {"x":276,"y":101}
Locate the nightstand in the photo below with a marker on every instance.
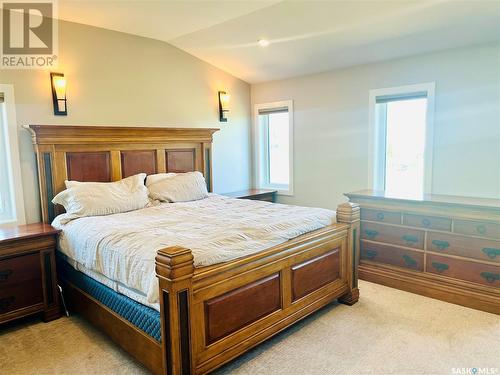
{"x":254,"y":194}
{"x":28,"y":283}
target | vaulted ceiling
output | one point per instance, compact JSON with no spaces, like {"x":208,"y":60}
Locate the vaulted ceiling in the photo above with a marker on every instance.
{"x":305,"y":36}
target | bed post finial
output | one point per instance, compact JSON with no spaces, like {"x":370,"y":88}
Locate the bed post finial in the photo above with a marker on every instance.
{"x":349,"y":213}
{"x":174,"y":269}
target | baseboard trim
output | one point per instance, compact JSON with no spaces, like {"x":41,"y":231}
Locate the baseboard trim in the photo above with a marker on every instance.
{"x":438,"y":289}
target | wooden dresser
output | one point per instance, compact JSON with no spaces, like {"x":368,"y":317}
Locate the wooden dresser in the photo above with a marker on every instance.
{"x":439,"y":246}
{"x":28,"y":283}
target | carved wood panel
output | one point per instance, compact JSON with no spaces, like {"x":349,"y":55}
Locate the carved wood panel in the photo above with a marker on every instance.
{"x":134,"y":162}
{"x":315,"y":273}
{"x":238,"y":308}
{"x":179,"y":161}
{"x":88,"y":166}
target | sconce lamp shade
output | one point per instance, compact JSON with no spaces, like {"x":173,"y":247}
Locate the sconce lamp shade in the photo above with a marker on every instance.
{"x":223,"y":106}
{"x":58,"y":83}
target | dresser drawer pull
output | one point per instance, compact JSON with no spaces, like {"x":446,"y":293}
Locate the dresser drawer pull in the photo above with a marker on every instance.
{"x":371,"y":254}
{"x":409,"y":261}
{"x":440,"y":267}
{"x":481,"y":229}
{"x":371,"y":234}
{"x":380,"y":216}
{"x":6,"y":302}
{"x":491,"y":252}
{"x":4,"y":275}
{"x":410,"y":239}
{"x":426,"y":222}
{"x":441,"y":245}
{"x":490,"y":276}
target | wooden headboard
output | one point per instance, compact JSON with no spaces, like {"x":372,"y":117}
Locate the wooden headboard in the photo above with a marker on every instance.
{"x":110,"y":153}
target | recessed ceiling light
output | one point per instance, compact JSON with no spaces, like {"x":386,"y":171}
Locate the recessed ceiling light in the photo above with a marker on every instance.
{"x":263,"y":42}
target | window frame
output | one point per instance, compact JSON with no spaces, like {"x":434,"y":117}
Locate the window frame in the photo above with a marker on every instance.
{"x":9,"y":122}
{"x":260,"y":142}
{"x":377,"y":134}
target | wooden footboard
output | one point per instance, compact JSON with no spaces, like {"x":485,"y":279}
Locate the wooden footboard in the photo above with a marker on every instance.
{"x":213,"y":314}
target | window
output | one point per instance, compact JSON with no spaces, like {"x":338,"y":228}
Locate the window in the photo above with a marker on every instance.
{"x":401,"y":122}
{"x":274,"y":146}
{"x":11,"y":191}
{"x":5,"y":188}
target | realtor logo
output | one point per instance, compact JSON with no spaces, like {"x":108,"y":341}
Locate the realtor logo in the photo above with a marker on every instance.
{"x":29,"y":34}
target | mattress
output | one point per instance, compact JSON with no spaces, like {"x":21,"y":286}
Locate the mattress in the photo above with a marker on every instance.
{"x":111,"y":284}
{"x":143,"y":317}
{"x":122,"y":247}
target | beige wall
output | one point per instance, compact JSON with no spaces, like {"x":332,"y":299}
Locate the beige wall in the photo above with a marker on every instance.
{"x":331,"y":123}
{"x":120,"y":79}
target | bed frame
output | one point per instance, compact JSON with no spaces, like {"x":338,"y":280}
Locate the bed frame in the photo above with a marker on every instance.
{"x":213,"y":314}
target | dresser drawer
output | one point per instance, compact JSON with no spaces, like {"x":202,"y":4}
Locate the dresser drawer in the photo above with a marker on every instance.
{"x":469,"y":247}
{"x":477,"y":228}
{"x":392,"y":235}
{"x":18,"y":296}
{"x":18,"y":269}
{"x":381,"y":215}
{"x":431,"y":222}
{"x":396,"y":256}
{"x":485,"y":274}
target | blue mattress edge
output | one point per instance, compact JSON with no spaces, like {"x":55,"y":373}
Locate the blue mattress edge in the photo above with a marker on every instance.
{"x":143,"y":317}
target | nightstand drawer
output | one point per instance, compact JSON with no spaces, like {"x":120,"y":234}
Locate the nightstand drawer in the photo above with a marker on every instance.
{"x":19,"y":269}
{"x":262,"y":197}
{"x":254,"y":194}
{"x":18,"y":296}
{"x":469,"y":247}
{"x":485,"y":274}
{"x":392,"y":235}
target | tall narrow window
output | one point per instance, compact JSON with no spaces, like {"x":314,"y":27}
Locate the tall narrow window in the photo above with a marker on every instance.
{"x":403,"y":138}
{"x":274,"y":146}
{"x":6,"y":201}
{"x":11,"y":190}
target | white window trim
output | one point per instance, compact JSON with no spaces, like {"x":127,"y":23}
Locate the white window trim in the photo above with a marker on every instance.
{"x":10,"y":121}
{"x":376,"y":141}
{"x":258,"y":144}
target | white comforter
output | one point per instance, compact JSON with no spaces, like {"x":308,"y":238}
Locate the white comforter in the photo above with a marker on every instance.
{"x":122,"y":247}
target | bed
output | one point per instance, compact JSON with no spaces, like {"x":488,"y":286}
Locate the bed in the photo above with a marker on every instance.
{"x":202,"y":313}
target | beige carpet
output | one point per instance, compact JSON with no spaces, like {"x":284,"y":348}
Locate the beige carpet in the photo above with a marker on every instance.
{"x":387,"y":332}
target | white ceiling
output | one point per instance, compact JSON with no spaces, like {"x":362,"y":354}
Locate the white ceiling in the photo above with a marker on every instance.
{"x":306,"y":36}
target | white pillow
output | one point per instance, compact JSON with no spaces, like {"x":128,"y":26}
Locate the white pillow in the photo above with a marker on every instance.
{"x":154,"y":178}
{"x":179,"y":187}
{"x":103,"y":198}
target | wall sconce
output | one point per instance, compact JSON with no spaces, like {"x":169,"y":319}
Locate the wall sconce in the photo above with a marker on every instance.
{"x":58,"y":83}
{"x":223,"y":106}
